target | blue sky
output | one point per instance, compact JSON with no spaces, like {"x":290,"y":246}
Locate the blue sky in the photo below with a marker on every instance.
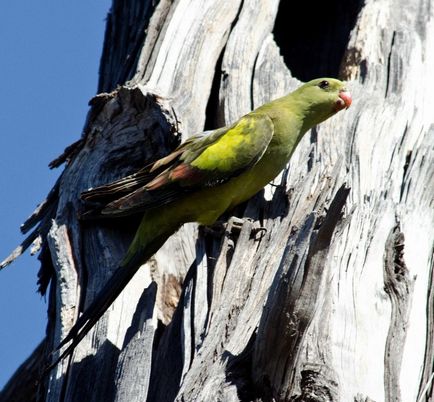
{"x":49,"y":62}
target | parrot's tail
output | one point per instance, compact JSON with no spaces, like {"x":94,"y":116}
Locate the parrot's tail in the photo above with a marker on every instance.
{"x":146,"y":243}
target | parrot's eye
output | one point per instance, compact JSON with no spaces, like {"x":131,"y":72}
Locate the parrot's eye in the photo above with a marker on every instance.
{"x":323,"y":84}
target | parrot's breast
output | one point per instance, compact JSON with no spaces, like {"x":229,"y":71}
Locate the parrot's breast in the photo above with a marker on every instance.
{"x":206,"y":205}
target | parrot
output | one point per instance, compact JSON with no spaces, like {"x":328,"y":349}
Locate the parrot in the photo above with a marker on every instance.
{"x":206,"y":176}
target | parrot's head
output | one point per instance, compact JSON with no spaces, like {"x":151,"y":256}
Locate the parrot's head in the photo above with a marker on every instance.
{"x":322,"y":98}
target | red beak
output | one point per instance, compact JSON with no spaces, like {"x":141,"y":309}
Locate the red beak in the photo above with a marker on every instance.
{"x":346,"y":99}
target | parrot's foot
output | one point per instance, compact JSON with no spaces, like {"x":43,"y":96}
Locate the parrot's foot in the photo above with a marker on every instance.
{"x":235,"y":224}
{"x":232,"y":226}
{"x":219,"y":228}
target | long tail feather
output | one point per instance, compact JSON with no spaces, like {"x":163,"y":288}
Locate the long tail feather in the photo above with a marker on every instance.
{"x":108,"y":294}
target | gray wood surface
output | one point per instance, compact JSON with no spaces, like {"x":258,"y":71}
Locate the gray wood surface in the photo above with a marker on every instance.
{"x":323,"y":292}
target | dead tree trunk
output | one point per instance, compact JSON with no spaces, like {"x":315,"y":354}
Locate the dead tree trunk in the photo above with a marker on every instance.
{"x":334,"y":301}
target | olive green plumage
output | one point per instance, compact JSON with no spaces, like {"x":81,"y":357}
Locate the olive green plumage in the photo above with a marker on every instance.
{"x":204,"y":177}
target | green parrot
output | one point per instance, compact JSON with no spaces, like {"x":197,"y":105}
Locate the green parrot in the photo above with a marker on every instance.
{"x":204,"y":177}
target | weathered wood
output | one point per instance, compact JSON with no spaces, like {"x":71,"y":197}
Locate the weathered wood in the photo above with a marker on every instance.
{"x":22,"y":386}
{"x":291,"y":304}
{"x":399,"y":287}
{"x":308,"y":298}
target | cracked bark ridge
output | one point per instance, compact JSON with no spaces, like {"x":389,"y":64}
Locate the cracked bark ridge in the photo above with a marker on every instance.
{"x":291,"y":305}
{"x":316,"y":386}
{"x":399,"y":286}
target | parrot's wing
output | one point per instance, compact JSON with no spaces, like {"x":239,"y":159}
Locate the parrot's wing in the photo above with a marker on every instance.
{"x":97,"y":198}
{"x":201,"y":161}
{"x":119,"y":188}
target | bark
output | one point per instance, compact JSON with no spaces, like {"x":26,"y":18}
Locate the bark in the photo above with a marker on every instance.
{"x":325,"y":292}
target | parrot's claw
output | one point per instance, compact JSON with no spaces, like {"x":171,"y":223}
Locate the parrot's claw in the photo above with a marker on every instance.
{"x":235,"y":225}
{"x":261,"y":231}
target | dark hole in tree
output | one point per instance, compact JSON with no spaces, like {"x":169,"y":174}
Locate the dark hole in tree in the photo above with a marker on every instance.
{"x":312,"y":36}
{"x":214,"y":119}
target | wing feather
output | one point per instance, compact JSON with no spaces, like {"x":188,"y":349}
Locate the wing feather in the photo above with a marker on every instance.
{"x":119,"y":187}
{"x":201,"y":161}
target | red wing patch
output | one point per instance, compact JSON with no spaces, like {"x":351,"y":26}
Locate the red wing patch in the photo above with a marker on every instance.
{"x":161,"y":180}
{"x":184,"y":174}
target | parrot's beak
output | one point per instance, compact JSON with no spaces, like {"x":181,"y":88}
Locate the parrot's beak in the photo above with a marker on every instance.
{"x":344,"y":101}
